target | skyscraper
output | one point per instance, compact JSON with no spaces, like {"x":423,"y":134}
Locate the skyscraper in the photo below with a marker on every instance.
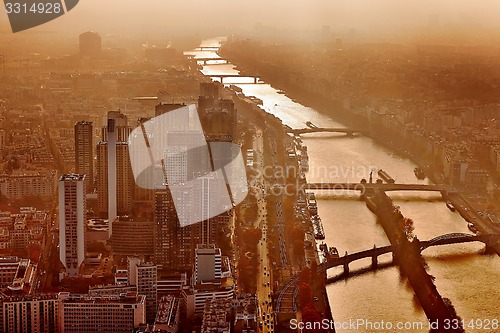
{"x":84,"y":151}
{"x":90,"y":44}
{"x":115,"y":180}
{"x":72,"y":219}
{"x":175,"y":245}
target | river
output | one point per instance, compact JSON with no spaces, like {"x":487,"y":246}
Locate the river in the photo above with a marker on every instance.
{"x":469,"y":278}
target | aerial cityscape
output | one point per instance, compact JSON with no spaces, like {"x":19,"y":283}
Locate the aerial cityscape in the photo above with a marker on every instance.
{"x":308,"y":166}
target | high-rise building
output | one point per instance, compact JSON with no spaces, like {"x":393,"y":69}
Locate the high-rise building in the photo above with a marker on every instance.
{"x":132,"y":237}
{"x":115,"y":183}
{"x":174,"y":245}
{"x":72,"y":219}
{"x":84,"y":151}
{"x":90,"y":44}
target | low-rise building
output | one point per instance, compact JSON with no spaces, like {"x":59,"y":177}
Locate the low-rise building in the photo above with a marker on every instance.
{"x":33,"y":314}
{"x":217,"y":316}
{"x":110,"y":314}
{"x":168,"y":315}
{"x":194,"y":298}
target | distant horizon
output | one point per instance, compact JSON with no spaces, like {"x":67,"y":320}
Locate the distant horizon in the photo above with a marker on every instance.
{"x":157,"y":18}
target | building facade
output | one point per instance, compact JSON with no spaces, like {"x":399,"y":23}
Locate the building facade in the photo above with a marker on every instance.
{"x":110,"y":314}
{"x":72,"y":219}
{"x":84,"y":151}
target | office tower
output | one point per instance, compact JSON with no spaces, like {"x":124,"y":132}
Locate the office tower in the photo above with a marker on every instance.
{"x":111,"y":313}
{"x":84,"y":151}
{"x":72,"y":219}
{"x":30,"y":313}
{"x":144,"y":197}
{"x":174,"y":245}
{"x":115,"y":181}
{"x":208,"y":263}
{"x":144,"y":276}
{"x":165,"y":232}
{"x":102,"y":177}
{"x":132,"y":237}
{"x":90,"y":44}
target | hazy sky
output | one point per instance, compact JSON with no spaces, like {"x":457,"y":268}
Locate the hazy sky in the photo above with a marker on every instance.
{"x":172,"y":17}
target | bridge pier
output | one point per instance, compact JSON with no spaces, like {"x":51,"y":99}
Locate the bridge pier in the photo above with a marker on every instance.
{"x":374,"y":259}
{"x":346,"y":269}
{"x":346,"y":265}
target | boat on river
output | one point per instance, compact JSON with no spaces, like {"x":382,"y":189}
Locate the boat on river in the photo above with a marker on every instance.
{"x":419,"y":173}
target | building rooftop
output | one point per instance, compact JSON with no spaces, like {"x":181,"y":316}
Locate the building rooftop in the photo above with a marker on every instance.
{"x":72,"y":177}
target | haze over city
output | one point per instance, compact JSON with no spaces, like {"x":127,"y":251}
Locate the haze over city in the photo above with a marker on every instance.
{"x":251,"y":166}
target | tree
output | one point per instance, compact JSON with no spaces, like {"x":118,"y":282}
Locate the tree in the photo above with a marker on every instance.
{"x":311,"y":315}
{"x":305,"y":295}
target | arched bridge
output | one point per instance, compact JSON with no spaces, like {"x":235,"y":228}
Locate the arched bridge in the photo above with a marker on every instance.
{"x":453,"y":238}
{"x":456,"y":238}
{"x":287,"y":297}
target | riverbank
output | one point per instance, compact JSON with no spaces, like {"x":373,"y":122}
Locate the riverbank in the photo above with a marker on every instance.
{"x":389,"y":138}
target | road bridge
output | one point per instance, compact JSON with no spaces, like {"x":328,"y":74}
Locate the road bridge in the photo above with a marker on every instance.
{"x":287,"y":296}
{"x":310,"y":129}
{"x":453,"y":238}
{"x":221,"y":77}
{"x":363,"y":187}
{"x":207,"y":48}
{"x":206,"y":60}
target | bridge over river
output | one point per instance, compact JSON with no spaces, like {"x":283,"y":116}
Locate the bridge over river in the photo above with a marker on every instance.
{"x":300,"y":131}
{"x":363,"y":187}
{"x":287,"y":298}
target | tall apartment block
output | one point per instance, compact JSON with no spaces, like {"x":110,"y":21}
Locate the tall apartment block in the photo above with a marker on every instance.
{"x":72,"y":219}
{"x":84,"y":151}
